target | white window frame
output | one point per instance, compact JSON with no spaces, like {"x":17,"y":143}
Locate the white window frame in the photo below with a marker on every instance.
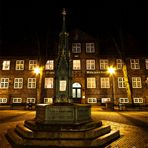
{"x":146,"y":63}
{"x":134,"y":63}
{"x":48,"y":100}
{"x":17,"y":100}
{"x":19,"y":65}
{"x":49,"y":65}
{"x":31,"y":83}
{"x":90,"y":64}
{"x":3,"y":100}
{"x":4,"y":83}
{"x":32,"y":100}
{"x":136,"y":82}
{"x":32,"y":64}
{"x":76,"y":47}
{"x":6,"y":65}
{"x":138,"y":100}
{"x":48,"y":82}
{"x":103,"y":64}
{"x":18,"y":83}
{"x":121,"y":82}
{"x":90,"y":47}
{"x":104,"y":100}
{"x":76,"y":65}
{"x":105,"y":82}
{"x":119,"y":63}
{"x":123,"y":100}
{"x":92,"y":100}
{"x":91,"y":82}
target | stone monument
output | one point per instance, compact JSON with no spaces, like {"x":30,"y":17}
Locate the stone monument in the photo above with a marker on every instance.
{"x":63,"y":123}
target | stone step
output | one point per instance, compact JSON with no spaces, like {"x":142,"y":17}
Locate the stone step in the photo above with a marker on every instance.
{"x":66,"y":134}
{"x":100,"y":141}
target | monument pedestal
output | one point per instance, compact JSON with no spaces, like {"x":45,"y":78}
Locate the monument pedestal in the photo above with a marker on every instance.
{"x":66,"y":125}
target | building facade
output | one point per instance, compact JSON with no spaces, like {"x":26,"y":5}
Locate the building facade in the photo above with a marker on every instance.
{"x":91,"y":82}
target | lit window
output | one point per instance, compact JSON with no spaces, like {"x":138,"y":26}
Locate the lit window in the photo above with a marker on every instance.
{"x":92,"y":100}
{"x":103,"y":64}
{"x":17,"y":100}
{"x":104,"y":100}
{"x":6,"y":65}
{"x":18,"y":83}
{"x":91,"y":82}
{"x":76,"y":65}
{"x":146,"y":63}
{"x":105,"y":82}
{"x":76,"y":47}
{"x":123,"y":100}
{"x":135,"y":64}
{"x":90,"y":47}
{"x":121,"y":82}
{"x":3,"y":100}
{"x":32,"y":100}
{"x":119,"y":63}
{"x":49,"y":65}
{"x":48,"y":100}
{"x":32,"y":64}
{"x":31,"y":83}
{"x":48,"y":83}
{"x":138,"y":100}
{"x":19,"y":65}
{"x":90,"y":64}
{"x":4,"y":82}
{"x":136,"y":82}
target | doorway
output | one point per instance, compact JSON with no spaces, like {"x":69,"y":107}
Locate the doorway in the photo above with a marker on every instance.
{"x":76,"y":92}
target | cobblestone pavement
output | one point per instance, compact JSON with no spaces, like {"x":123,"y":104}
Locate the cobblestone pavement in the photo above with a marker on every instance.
{"x":133,"y":126}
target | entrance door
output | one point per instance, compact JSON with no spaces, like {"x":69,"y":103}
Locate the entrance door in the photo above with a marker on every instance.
{"x":76,"y":92}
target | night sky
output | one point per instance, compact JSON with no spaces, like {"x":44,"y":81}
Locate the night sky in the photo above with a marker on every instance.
{"x":33,"y":22}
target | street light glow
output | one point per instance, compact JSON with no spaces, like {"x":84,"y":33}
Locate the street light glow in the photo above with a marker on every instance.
{"x":37,"y":70}
{"x":111,"y":70}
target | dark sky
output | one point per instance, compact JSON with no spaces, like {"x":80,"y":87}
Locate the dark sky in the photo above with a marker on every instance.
{"x":29,"y":21}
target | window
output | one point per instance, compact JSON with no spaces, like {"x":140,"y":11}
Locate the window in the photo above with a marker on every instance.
{"x":90,"y":64}
{"x":76,"y":47}
{"x":103,"y":64}
{"x":146,"y":63}
{"x":6,"y":65}
{"x":31,"y":82}
{"x":19,"y":65}
{"x":135,"y":64}
{"x":91,"y":82}
{"x":90,"y":47}
{"x":92,"y":100}
{"x":32,"y":64}
{"x":119,"y":63}
{"x":138,"y":100}
{"x":136,"y":82}
{"x":123,"y":100}
{"x":104,"y":100}
{"x":3,"y":100}
{"x":76,"y":65}
{"x":49,"y":65}
{"x":4,"y":82}
{"x":48,"y":100}
{"x":18,"y":83}
{"x":48,"y":83}
{"x":17,"y":100}
{"x":121,"y":82}
{"x":105,"y":83}
{"x":32,"y":100}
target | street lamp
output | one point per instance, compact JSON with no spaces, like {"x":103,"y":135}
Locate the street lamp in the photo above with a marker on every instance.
{"x":111,"y":71}
{"x":38,"y":71}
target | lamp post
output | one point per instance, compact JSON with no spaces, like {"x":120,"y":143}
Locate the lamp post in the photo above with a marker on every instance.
{"x":38,"y":71}
{"x":111,"y":71}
